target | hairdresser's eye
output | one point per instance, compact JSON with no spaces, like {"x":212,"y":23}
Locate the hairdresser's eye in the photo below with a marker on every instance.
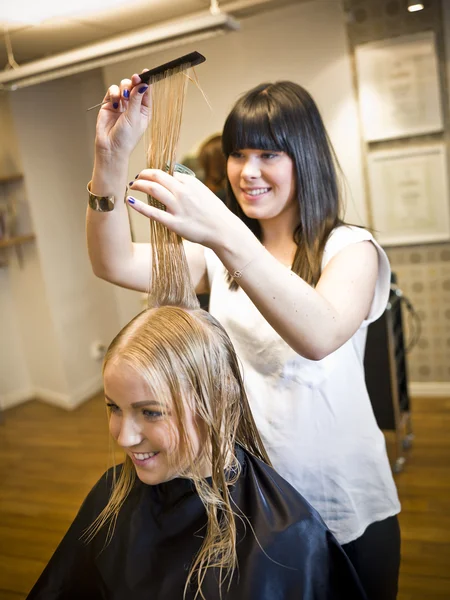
{"x":152,"y":415}
{"x":269,"y":155}
{"x":236,"y":154}
{"x":113,"y":408}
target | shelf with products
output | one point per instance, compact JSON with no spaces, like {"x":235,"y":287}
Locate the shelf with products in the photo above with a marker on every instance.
{"x":15,"y":223}
{"x":16,"y":240}
{"x":11,"y":178}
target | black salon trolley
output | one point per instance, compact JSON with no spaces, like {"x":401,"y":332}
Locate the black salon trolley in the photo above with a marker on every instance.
{"x":387,"y":375}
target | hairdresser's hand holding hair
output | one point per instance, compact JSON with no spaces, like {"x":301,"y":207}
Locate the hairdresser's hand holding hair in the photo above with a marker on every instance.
{"x":193,"y":211}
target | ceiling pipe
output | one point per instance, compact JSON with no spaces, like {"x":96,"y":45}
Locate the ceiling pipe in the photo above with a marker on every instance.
{"x":138,"y":42}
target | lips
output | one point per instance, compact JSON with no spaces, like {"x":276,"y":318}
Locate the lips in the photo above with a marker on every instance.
{"x":144,"y":455}
{"x":143,"y":458}
{"x":255,"y":192}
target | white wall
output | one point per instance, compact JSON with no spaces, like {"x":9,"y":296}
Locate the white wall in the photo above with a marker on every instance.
{"x":446,"y":26}
{"x":305,"y":43}
{"x":15,"y":381}
{"x":69,"y":307}
{"x":56,"y":307}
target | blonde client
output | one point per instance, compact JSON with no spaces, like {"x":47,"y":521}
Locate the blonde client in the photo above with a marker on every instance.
{"x":195,"y":510}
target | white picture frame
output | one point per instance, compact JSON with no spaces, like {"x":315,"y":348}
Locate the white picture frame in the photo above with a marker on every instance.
{"x":409,"y":195}
{"x":398,"y":87}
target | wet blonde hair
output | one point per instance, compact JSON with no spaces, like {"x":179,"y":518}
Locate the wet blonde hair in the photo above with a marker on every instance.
{"x":186,"y":356}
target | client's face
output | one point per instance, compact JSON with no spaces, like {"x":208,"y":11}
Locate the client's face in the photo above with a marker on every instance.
{"x":145,"y":426}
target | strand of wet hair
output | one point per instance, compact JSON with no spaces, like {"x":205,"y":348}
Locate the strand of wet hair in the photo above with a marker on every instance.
{"x":169,"y":280}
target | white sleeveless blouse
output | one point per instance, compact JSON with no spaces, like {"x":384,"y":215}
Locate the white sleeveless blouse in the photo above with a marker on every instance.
{"x":315,"y":417}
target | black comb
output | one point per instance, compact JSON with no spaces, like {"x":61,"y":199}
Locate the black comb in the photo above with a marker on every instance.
{"x":188,"y":60}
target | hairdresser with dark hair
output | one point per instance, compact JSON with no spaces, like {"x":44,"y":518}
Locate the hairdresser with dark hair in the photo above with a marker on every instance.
{"x":295,"y":288}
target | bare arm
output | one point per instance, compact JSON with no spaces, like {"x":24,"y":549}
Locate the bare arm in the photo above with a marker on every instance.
{"x":313,"y":321}
{"x":113,"y":255}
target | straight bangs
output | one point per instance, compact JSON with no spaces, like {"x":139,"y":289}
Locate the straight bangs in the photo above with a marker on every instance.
{"x":253,"y":123}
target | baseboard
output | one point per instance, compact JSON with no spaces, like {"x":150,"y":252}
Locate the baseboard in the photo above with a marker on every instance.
{"x":71,"y":401}
{"x":86,"y":391}
{"x":15,"y":398}
{"x":432,"y":389}
{"x":51,"y":397}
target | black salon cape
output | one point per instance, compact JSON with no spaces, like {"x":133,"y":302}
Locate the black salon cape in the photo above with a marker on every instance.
{"x":160,"y":529}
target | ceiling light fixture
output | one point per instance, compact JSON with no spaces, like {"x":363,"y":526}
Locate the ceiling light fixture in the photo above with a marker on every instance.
{"x":33,"y":13}
{"x":414,"y":6}
{"x":136,"y":43}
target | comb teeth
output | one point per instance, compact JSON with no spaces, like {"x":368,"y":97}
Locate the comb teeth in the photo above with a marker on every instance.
{"x":188,"y":60}
{"x":156,"y":203}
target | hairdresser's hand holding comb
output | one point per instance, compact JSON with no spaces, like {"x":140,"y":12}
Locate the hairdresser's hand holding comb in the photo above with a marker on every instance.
{"x":192,"y":210}
{"x":123,"y":119}
{"x":121,"y":122}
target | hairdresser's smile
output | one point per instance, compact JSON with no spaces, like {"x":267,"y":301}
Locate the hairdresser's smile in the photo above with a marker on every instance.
{"x":262,"y":182}
{"x":255,"y":192}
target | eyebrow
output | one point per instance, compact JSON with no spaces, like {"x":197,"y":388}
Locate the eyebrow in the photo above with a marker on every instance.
{"x":138,"y":404}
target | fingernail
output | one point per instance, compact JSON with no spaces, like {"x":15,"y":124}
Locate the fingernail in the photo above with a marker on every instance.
{"x":130,"y":184}
{"x":131,"y":200}
{"x":137,"y":176}
{"x":142,"y":89}
{"x":116,"y":105}
{"x":126,"y":93}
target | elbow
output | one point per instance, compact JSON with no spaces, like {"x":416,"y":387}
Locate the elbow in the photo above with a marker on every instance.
{"x":102,"y":273}
{"x":98,"y":271}
{"x":317,"y":351}
{"x":315,"y":354}
{"x":100,"y":268}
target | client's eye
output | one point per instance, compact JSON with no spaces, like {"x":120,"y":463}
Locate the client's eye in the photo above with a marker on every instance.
{"x":152,"y":414}
{"x":112,"y":407}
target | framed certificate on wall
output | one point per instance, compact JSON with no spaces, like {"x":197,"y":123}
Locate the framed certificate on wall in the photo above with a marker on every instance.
{"x":398,"y":85}
{"x":409,"y":195}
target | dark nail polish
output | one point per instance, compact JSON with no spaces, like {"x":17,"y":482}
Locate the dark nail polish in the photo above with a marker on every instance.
{"x":116,"y":105}
{"x":130,"y":184}
{"x":126,"y":93}
{"x":137,"y":175}
{"x":142,"y":89}
{"x":131,"y":200}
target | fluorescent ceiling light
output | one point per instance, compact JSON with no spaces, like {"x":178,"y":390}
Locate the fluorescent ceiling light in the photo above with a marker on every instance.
{"x":26,"y":12}
{"x":415,"y":6}
{"x":138,"y":42}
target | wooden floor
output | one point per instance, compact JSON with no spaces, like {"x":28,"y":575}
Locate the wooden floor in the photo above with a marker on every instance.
{"x":49,"y":459}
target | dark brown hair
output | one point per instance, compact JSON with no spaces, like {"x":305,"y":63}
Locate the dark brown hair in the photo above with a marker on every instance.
{"x":213,"y":163}
{"x":283,"y":116}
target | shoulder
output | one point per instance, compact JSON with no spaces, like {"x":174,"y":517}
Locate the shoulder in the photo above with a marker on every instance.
{"x":102,"y":489}
{"x":347,"y":237}
{"x":276,"y":497}
{"x":343,"y":236}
